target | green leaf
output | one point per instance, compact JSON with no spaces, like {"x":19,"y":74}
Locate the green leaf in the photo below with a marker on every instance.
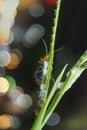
{"x":74,"y":73}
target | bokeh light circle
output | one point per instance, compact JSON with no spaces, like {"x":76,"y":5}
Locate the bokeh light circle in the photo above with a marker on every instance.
{"x":6,"y":121}
{"x":18,"y":53}
{"x":13,"y":95}
{"x":12,"y":83}
{"x":20,"y":89}
{"x":4,"y":85}
{"x":24,"y":101}
{"x":53,"y":120}
{"x":33,"y":35}
{"x":14,"y":62}
{"x":5,"y":58}
{"x":17,"y":122}
{"x":36,"y":10}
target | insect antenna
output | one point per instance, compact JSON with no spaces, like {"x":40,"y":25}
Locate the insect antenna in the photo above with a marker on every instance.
{"x":45,"y":46}
{"x":59,"y":49}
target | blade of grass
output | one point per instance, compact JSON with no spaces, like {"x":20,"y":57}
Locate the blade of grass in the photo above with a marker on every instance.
{"x":75,"y":72}
{"x":51,"y":53}
{"x":41,"y":114}
{"x":39,"y":119}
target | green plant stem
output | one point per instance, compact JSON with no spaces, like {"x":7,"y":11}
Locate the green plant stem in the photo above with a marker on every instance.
{"x":51,"y":53}
{"x":74,"y":73}
{"x":39,"y":119}
{"x":41,"y":114}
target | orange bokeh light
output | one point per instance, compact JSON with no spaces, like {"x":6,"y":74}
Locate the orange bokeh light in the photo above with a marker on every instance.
{"x":5,"y":121}
{"x":14,"y":62}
